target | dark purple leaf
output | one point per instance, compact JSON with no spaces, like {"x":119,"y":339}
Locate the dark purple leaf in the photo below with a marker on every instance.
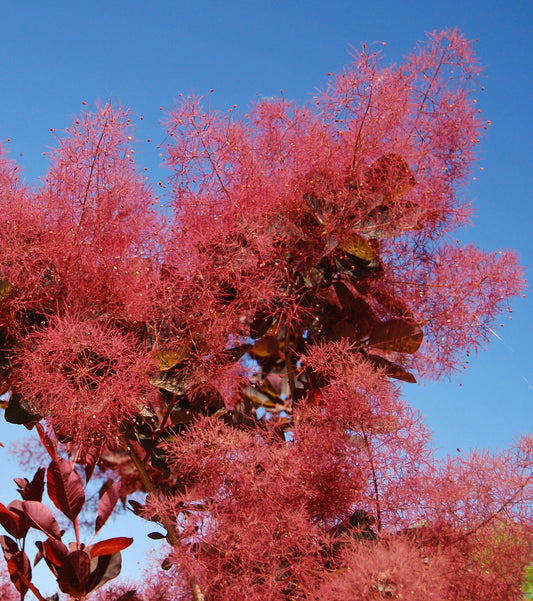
{"x":107,"y":504}
{"x":32,"y":491}
{"x":73,"y":574}
{"x":19,"y":569}
{"x":91,"y":459}
{"x":40,"y":517}
{"x":12,"y":519}
{"x":9,"y":546}
{"x":65,"y":488}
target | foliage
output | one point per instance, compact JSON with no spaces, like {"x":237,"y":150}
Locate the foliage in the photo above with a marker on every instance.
{"x":239,"y":360}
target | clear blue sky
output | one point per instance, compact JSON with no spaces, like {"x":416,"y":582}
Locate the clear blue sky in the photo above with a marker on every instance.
{"x":56,"y":54}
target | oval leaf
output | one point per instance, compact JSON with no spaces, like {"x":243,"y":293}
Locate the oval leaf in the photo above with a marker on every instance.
{"x":12,"y":519}
{"x":91,"y":459}
{"x":65,"y":488}
{"x":156,"y":535}
{"x":48,"y":443}
{"x":393,"y":370}
{"x":9,"y":546}
{"x":106,"y":505}
{"x":73,"y":574}
{"x":110,"y":546}
{"x":103,"y":569}
{"x":357,"y":246}
{"x":19,"y":569}
{"x":396,"y":335}
{"x":40,"y":517}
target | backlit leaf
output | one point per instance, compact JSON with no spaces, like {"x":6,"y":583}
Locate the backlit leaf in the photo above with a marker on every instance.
{"x":396,"y":335}
{"x":40,"y":517}
{"x":167,"y":359}
{"x":107,"y":504}
{"x":110,"y":546}
{"x":5,"y":288}
{"x":65,"y":488}
{"x":357,"y":246}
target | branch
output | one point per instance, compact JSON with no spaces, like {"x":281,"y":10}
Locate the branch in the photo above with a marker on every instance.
{"x":374,"y":477}
{"x":173,"y":537}
{"x":288,"y":366}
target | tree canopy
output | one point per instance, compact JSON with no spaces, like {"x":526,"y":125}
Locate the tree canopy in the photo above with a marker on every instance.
{"x":234,"y":345}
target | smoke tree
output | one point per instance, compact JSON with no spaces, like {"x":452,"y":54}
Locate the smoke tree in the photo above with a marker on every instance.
{"x":237,"y":356}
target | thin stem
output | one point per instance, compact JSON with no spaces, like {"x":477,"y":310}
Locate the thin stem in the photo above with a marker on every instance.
{"x":31,"y":586}
{"x":172,"y":535}
{"x":288,"y":365}
{"x":162,"y":425}
{"x":374,"y":477}
{"x":358,"y":137}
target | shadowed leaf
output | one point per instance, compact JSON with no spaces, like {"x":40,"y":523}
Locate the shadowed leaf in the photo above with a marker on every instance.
{"x":12,"y":519}
{"x":19,"y":412}
{"x":32,"y":491}
{"x":103,"y":569}
{"x":73,"y":574}
{"x":19,"y":569}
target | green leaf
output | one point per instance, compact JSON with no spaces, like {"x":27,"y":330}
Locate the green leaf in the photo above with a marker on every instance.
{"x":358,"y":247}
{"x":167,"y":359}
{"x":396,"y":335}
{"x":5,"y":288}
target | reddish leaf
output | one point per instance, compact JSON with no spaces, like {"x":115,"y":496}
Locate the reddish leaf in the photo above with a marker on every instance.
{"x":391,"y":369}
{"x":19,"y":569}
{"x":48,"y":443}
{"x":91,"y":459}
{"x":53,"y":552}
{"x":110,"y":546}
{"x":32,"y":491}
{"x":73,"y":574}
{"x":40,"y":517}
{"x":396,"y":335}
{"x":12,"y":519}
{"x":9,"y":546}
{"x":106,"y":505}
{"x":65,"y":488}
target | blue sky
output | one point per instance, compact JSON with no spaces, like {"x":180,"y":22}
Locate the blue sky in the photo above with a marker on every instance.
{"x":55,"y":55}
